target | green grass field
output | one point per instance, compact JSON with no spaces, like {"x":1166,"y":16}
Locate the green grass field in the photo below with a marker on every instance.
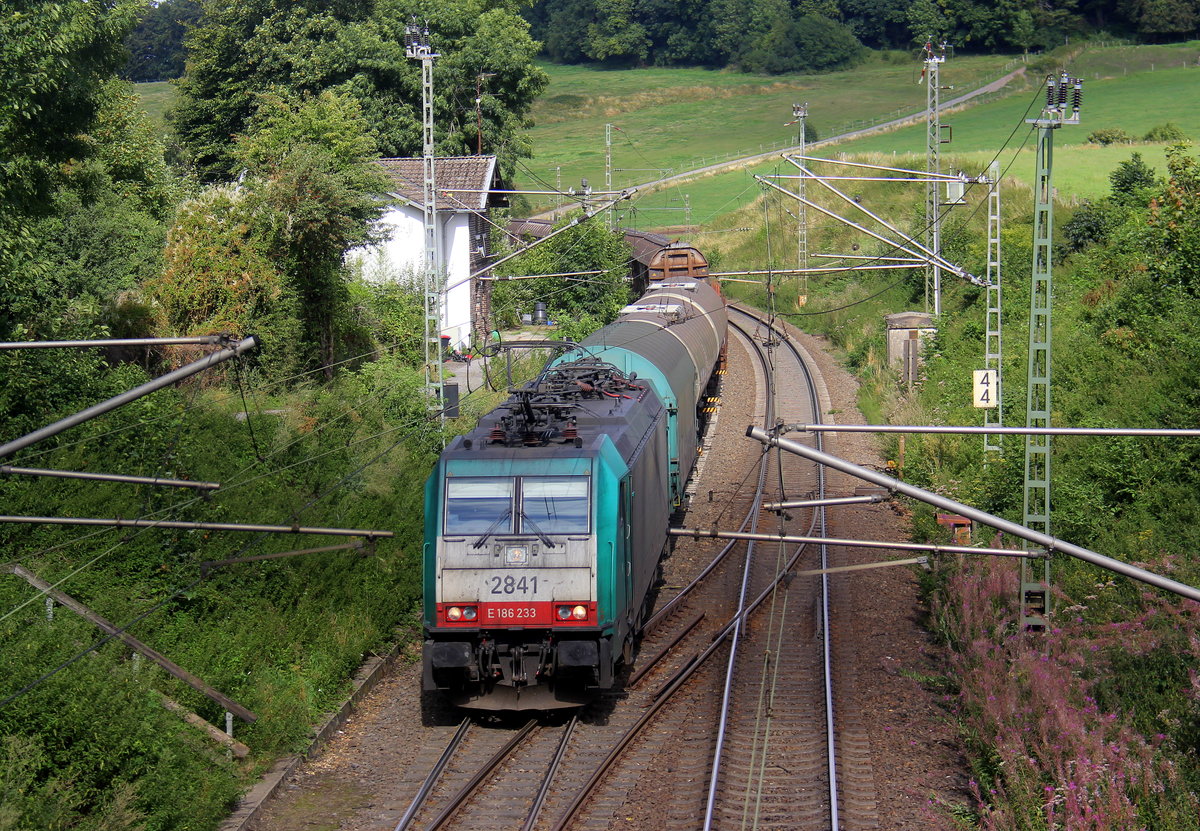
{"x":1155,"y":90}
{"x":157,"y":97}
{"x":678,"y":119}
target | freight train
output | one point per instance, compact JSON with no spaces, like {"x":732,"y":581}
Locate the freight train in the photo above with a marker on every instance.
{"x":545,"y":526}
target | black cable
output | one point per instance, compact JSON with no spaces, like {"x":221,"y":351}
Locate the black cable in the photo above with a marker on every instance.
{"x":944,"y":212}
{"x":237,"y":373}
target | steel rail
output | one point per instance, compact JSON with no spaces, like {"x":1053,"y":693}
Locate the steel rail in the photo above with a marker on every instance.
{"x":663,"y":695}
{"x":818,"y":524}
{"x":764,"y":356}
{"x":645,"y":668}
{"x":427,"y":786}
{"x":466,"y":790}
{"x":535,"y":809}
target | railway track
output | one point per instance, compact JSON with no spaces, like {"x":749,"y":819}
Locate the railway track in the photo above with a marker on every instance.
{"x":701,"y":735}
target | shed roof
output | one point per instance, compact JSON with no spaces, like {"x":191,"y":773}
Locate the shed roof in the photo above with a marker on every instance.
{"x":462,"y":182}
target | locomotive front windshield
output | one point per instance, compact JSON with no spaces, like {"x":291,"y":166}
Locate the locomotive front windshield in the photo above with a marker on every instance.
{"x":477,"y":506}
{"x":556,"y":504}
{"x":543,"y":505}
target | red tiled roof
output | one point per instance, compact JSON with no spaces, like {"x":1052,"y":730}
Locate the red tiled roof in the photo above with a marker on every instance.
{"x":462,"y":182}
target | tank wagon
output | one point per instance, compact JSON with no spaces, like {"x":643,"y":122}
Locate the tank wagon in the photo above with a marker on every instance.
{"x":545,"y":526}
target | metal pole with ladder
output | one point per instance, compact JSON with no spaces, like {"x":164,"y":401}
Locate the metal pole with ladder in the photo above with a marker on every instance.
{"x":1035,"y":579}
{"x":800,"y":114}
{"x":612,"y":213}
{"x":416,"y":43}
{"x":992,"y":342}
{"x":933,"y":164}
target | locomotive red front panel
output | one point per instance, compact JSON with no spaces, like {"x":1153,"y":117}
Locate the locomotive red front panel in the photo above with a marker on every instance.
{"x":516,"y":615}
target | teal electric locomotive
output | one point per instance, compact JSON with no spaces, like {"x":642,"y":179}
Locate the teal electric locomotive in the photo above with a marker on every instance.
{"x":544,"y":526}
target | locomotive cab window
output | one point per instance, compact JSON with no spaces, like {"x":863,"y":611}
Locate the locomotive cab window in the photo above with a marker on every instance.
{"x":477,"y":506}
{"x":555,"y":504}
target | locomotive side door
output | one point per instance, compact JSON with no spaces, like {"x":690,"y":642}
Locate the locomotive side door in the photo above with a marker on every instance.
{"x":625,"y":535}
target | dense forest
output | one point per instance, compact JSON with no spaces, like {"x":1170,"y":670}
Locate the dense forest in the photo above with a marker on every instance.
{"x":767,"y":37}
{"x":812,"y":35}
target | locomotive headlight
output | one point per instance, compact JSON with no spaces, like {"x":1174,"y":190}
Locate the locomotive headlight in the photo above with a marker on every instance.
{"x":579,"y":613}
{"x":469,"y":613}
{"x":454,"y":613}
{"x":563,"y":612}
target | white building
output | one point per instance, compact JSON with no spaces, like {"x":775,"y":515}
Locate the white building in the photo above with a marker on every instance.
{"x":462,"y":185}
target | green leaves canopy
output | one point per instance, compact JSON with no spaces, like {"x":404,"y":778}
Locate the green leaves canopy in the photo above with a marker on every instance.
{"x":241,"y":51}
{"x":579,"y":304}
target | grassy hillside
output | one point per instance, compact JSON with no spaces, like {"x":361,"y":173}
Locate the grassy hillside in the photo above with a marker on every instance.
{"x":157,"y":97}
{"x":1128,"y":88}
{"x":676,"y":119}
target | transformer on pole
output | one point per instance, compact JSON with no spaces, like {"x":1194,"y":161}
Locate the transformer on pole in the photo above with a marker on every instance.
{"x":1035,"y":589}
{"x":416,"y":47}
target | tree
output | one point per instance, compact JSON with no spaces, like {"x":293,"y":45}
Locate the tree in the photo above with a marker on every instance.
{"x":586,"y":302}
{"x":155,"y":45}
{"x":268,"y":251}
{"x":880,"y":24}
{"x":54,"y":58}
{"x":1130,"y":177}
{"x":239,"y":52}
{"x":616,"y":34}
{"x":1163,"y":20}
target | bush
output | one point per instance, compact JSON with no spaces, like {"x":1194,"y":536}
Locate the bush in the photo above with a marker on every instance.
{"x":1109,"y":135}
{"x":1131,"y":176}
{"x":1090,"y":224}
{"x":1168,"y":133}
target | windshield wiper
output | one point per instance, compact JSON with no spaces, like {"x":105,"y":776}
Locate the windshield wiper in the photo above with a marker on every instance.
{"x":541,"y":536}
{"x":492,"y":528}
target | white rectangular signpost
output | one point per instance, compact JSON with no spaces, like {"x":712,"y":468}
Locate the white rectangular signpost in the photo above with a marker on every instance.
{"x":984,"y":388}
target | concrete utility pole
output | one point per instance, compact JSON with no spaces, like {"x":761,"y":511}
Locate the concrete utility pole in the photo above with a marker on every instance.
{"x":416,"y":47}
{"x":1035,"y":593}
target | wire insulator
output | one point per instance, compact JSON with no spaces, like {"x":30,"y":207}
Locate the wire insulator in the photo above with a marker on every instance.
{"x":1077,"y":95}
{"x":1051,"y":95}
{"x":1063,"y":85}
